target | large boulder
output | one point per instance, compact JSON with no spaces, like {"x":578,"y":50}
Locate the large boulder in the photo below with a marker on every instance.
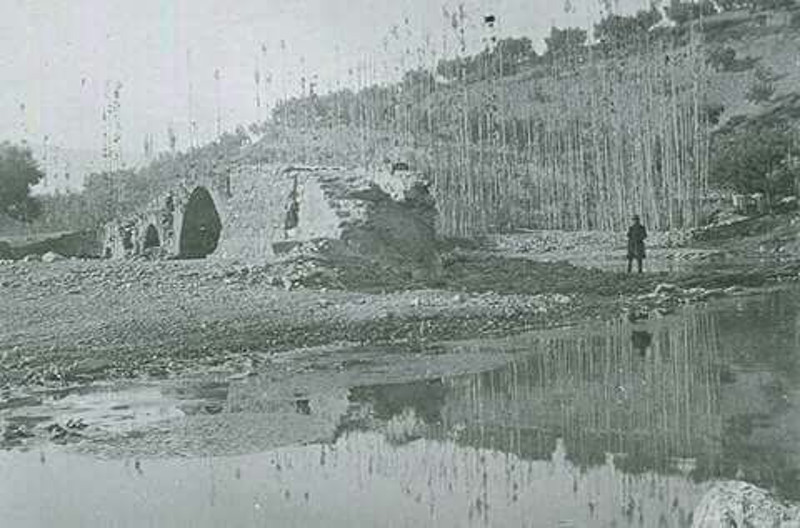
{"x":736,"y":503}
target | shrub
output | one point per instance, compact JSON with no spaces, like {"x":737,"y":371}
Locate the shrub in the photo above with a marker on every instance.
{"x":682,"y":12}
{"x":754,"y":160}
{"x":763,"y":87}
{"x":712,"y":112}
{"x":722,"y":59}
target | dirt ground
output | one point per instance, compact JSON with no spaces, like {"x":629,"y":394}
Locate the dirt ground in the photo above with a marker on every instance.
{"x":78,"y":321}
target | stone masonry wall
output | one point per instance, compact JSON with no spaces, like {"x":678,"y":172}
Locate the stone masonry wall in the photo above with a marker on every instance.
{"x":267,"y":211}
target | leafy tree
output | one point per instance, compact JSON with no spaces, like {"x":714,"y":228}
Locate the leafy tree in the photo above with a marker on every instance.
{"x":565,"y":40}
{"x":617,"y":28}
{"x":723,"y":58}
{"x":18,"y":173}
{"x":755,"y":160}
{"x":769,"y":5}
{"x":511,"y":53}
{"x":682,"y":12}
{"x":417,"y":77}
{"x":732,"y":5}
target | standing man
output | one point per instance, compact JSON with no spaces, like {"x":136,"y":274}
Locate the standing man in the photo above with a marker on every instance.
{"x":636,"y":235}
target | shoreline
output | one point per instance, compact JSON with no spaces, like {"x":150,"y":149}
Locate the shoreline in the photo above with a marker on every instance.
{"x":76,"y":322}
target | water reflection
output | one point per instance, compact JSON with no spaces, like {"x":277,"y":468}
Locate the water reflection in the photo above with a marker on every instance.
{"x":613,"y":425}
{"x":641,"y":341}
{"x":597,"y":393}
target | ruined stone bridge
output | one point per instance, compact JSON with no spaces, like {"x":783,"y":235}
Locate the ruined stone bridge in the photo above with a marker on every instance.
{"x":257,"y":213}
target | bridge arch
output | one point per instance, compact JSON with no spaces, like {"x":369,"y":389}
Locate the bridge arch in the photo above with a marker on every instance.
{"x":151,"y":238}
{"x":201,"y":225}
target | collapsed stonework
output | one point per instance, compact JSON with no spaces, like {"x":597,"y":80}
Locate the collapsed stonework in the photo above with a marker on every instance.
{"x":261,"y":213}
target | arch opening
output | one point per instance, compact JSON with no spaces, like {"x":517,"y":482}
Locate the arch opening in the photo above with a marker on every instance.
{"x":201,"y":226}
{"x":151,"y":238}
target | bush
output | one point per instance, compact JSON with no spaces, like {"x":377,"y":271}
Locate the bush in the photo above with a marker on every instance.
{"x":772,"y":5}
{"x":763,"y":87}
{"x":713,"y":112}
{"x":722,"y":59}
{"x":565,"y":40}
{"x":682,"y":12}
{"x":617,"y":28}
{"x":755,"y":160}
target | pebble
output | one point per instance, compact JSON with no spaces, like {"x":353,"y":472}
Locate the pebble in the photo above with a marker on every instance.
{"x":560,"y":298}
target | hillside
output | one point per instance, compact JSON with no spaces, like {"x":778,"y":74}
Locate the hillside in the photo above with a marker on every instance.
{"x":761,"y":51}
{"x":630,"y":124}
{"x":580,"y":139}
{"x":576,"y":139}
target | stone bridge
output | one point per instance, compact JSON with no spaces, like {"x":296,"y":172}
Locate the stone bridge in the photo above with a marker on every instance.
{"x":257,"y":213}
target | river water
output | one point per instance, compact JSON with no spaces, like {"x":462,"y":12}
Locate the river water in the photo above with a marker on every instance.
{"x":613,"y":424}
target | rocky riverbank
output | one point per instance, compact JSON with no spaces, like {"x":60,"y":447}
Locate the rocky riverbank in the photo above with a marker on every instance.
{"x":78,"y":321}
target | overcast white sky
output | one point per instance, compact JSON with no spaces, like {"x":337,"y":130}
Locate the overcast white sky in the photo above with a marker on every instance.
{"x":58,"y":55}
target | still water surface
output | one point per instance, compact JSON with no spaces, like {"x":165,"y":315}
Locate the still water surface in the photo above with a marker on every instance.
{"x":606,"y":425}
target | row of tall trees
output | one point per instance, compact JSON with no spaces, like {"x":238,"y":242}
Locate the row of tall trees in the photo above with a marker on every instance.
{"x":601,"y":135}
{"x":581,"y":140}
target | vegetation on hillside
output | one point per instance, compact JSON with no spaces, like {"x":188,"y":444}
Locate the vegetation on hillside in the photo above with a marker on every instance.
{"x":575,"y":137}
{"x":757,"y":159}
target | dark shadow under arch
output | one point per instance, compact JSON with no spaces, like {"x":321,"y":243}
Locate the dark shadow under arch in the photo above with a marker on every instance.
{"x":151,"y":238}
{"x":201,"y":226}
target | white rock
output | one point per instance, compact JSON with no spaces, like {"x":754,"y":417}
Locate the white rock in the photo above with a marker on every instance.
{"x":51,"y":256}
{"x":737,"y":503}
{"x":665,"y":287}
{"x":560,"y":298}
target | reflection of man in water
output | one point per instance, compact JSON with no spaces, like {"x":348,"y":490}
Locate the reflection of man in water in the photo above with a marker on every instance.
{"x":636,"y":235}
{"x":641,"y":340}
